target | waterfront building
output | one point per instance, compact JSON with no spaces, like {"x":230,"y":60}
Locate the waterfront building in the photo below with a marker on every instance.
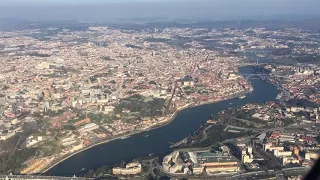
{"x":130,"y":169}
{"x":200,"y":162}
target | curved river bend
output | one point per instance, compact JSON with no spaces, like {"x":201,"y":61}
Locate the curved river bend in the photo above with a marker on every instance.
{"x":159,"y":140}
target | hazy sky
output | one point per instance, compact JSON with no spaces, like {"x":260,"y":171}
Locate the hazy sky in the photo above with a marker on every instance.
{"x":99,"y":10}
{"x":80,"y":1}
{"x":65,"y":2}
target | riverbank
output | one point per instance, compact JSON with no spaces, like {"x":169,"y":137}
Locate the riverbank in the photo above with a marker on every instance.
{"x":160,"y":138}
{"x":164,"y":123}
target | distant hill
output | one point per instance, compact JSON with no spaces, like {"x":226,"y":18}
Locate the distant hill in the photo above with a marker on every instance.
{"x":313,"y":23}
{"x":139,"y":24}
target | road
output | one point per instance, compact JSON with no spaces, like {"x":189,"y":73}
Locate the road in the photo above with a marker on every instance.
{"x":270,"y":172}
{"x":205,"y":134}
{"x":254,"y":135}
{"x":246,"y":121}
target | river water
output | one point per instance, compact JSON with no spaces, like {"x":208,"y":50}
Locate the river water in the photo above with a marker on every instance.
{"x":159,"y":140}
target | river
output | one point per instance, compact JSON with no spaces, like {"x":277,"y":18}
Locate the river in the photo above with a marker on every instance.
{"x":158,"y":140}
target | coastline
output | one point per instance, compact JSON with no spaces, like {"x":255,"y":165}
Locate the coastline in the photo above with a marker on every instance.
{"x":168,"y":121}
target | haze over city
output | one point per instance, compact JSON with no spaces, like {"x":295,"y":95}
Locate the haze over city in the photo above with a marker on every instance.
{"x":99,"y":10}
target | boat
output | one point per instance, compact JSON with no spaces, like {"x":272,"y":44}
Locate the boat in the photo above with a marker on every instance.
{"x":147,"y":135}
{"x":124,"y":137}
{"x":242,"y":97}
{"x":261,"y":55}
{"x":210,"y":121}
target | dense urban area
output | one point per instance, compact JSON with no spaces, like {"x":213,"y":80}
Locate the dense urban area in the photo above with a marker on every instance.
{"x":66,"y":89}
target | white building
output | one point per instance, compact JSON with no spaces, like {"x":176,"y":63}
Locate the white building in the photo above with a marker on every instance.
{"x":278,"y":153}
{"x":131,"y":169}
{"x":32,"y":140}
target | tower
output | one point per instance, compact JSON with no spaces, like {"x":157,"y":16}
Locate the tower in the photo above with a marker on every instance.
{"x":46,"y":106}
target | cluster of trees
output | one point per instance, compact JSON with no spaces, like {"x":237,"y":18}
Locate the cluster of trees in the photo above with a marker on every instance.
{"x":152,"y":39}
{"x":100,"y":118}
{"x":146,"y":107}
{"x":133,"y":46}
{"x":99,"y":173}
{"x":302,"y":103}
{"x":13,"y":162}
{"x":38,"y":54}
{"x":308,"y":58}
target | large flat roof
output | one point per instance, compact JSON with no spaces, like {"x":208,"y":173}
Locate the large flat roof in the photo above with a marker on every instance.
{"x":214,"y":157}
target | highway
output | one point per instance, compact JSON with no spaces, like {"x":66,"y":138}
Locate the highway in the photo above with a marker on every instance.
{"x":269,"y":172}
{"x":254,"y":135}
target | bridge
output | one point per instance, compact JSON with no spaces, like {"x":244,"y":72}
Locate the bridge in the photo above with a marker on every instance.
{"x":255,"y":76}
{"x":285,"y":93}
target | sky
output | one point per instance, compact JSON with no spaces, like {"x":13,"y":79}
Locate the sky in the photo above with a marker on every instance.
{"x":50,"y":2}
{"x":101,"y":10}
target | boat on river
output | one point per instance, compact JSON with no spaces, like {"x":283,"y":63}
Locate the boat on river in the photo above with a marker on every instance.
{"x":242,"y":97}
{"x":124,"y":137}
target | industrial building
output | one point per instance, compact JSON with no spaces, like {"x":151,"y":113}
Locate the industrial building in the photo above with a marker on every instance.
{"x":88,"y":127}
{"x":215,"y":162}
{"x":199,"y":162}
